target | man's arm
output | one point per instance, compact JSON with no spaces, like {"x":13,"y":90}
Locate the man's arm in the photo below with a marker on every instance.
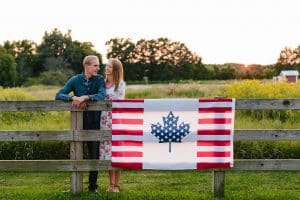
{"x":63,"y":93}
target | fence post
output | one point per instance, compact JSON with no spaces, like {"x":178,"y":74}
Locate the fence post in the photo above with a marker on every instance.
{"x":218,"y":183}
{"x":76,"y":153}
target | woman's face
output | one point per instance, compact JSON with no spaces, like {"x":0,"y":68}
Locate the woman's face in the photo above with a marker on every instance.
{"x":108,"y":68}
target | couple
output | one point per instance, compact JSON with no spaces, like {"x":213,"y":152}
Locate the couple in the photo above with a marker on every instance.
{"x":89,"y":86}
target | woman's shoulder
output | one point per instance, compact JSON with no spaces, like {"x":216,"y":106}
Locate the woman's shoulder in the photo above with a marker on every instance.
{"x":122,"y":84}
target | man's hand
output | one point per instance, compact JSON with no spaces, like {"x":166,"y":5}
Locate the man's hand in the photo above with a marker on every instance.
{"x":80,"y":102}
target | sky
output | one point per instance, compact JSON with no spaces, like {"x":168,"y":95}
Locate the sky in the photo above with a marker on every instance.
{"x":220,"y":31}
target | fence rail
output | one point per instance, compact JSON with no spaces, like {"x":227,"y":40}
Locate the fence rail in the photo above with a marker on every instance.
{"x":95,"y":165}
{"x":76,"y":165}
{"x":95,"y":135}
{"x":49,"y":105}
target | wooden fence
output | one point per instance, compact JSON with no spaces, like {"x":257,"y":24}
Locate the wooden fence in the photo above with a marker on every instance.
{"x":76,"y":165}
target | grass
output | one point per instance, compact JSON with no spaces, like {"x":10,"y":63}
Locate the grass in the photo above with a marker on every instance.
{"x":155,"y":185}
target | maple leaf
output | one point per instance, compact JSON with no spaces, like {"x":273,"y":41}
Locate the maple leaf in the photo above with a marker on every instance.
{"x":170,"y":131}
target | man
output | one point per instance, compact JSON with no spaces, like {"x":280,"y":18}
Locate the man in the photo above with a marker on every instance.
{"x":88,"y":86}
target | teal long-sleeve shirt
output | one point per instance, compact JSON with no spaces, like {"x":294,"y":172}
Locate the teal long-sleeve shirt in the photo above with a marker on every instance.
{"x":79,"y":85}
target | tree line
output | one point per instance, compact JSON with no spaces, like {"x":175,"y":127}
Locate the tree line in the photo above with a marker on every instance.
{"x":58,"y":57}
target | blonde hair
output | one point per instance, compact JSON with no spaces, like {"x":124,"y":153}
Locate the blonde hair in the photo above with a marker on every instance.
{"x":117,"y":72}
{"x":87,"y":59}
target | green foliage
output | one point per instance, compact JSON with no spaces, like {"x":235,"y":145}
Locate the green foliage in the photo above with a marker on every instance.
{"x":7,"y":69}
{"x":267,"y":149}
{"x":24,"y":53}
{"x":255,"y":89}
{"x":34,"y":150}
{"x":12,"y":117}
{"x":57,"y":77}
{"x":31,"y":120}
{"x":59,"y":52}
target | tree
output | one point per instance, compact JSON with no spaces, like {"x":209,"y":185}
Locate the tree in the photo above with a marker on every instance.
{"x":288,"y":59}
{"x":59,"y":52}
{"x":121,"y":48}
{"x":24,"y":52}
{"x":7,"y":69}
{"x":156,"y":59}
{"x":52,"y":47}
{"x":76,"y":51}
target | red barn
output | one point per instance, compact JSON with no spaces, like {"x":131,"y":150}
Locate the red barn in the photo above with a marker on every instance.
{"x":290,"y":76}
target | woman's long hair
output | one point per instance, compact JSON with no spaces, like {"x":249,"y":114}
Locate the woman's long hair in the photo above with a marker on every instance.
{"x":117,"y":72}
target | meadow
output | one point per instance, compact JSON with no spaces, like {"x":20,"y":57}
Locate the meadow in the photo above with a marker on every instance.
{"x":157,"y":184}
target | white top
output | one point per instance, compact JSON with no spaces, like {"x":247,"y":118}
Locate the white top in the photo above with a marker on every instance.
{"x":111,"y":94}
{"x":289,"y":73}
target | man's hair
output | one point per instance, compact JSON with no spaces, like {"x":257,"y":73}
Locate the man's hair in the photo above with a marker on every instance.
{"x":87,"y":59}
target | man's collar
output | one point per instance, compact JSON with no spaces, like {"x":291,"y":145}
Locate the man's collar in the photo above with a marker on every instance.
{"x":83,"y":76}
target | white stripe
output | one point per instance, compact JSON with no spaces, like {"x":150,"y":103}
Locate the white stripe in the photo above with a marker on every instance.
{"x":215,"y":115}
{"x":126,"y":159}
{"x":214,"y":126}
{"x":127,"y":105}
{"x":213,"y":148}
{"x":214,"y":137}
{"x":127,"y":137}
{"x":214,"y":104}
{"x":214,"y":159}
{"x":127,"y":148}
{"x":126,"y":116}
{"x":166,"y":105}
{"x":127,"y":126}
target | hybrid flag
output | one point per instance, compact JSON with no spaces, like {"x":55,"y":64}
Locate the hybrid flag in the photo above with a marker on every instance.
{"x":172,"y":133}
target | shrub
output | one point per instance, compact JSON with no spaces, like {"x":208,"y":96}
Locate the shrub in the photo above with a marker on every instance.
{"x":255,"y":89}
{"x":51,"y":78}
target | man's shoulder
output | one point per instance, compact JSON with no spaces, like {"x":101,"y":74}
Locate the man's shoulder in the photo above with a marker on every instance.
{"x":76,"y":77}
{"x":98,"y":77}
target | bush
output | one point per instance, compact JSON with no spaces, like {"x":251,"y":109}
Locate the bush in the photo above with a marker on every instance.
{"x":267,"y":149}
{"x":34,"y":150}
{"x":256,"y":89}
{"x":51,"y":78}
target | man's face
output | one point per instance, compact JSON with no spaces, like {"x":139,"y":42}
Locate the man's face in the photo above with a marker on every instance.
{"x":92,"y":68}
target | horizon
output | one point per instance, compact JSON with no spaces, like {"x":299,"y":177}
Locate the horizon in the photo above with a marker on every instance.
{"x":244,"y":32}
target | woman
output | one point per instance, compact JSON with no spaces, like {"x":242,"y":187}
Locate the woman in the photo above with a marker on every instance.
{"x":115,"y":89}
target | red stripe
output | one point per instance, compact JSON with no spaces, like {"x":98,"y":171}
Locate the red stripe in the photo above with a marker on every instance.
{"x":215,"y":100}
{"x":126,"y":132}
{"x":215,"y":110}
{"x":127,"y":121}
{"x":214,"y":132}
{"x":128,"y":110}
{"x":212,"y":165}
{"x":129,"y":100}
{"x":127,"y":154}
{"x":213,"y":154}
{"x":213,"y":143}
{"x":214,"y":121}
{"x":127,"y":165}
{"x":127,"y":143}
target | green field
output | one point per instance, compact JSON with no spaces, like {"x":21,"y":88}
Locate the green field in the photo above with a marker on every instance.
{"x":156,"y":184}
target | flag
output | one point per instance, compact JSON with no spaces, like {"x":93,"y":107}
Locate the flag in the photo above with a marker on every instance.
{"x":172,"y":134}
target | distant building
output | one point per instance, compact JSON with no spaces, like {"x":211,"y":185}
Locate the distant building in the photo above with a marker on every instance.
{"x":290,"y":76}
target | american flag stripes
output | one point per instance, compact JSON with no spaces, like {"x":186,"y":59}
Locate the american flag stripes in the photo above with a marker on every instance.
{"x":172,"y":133}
